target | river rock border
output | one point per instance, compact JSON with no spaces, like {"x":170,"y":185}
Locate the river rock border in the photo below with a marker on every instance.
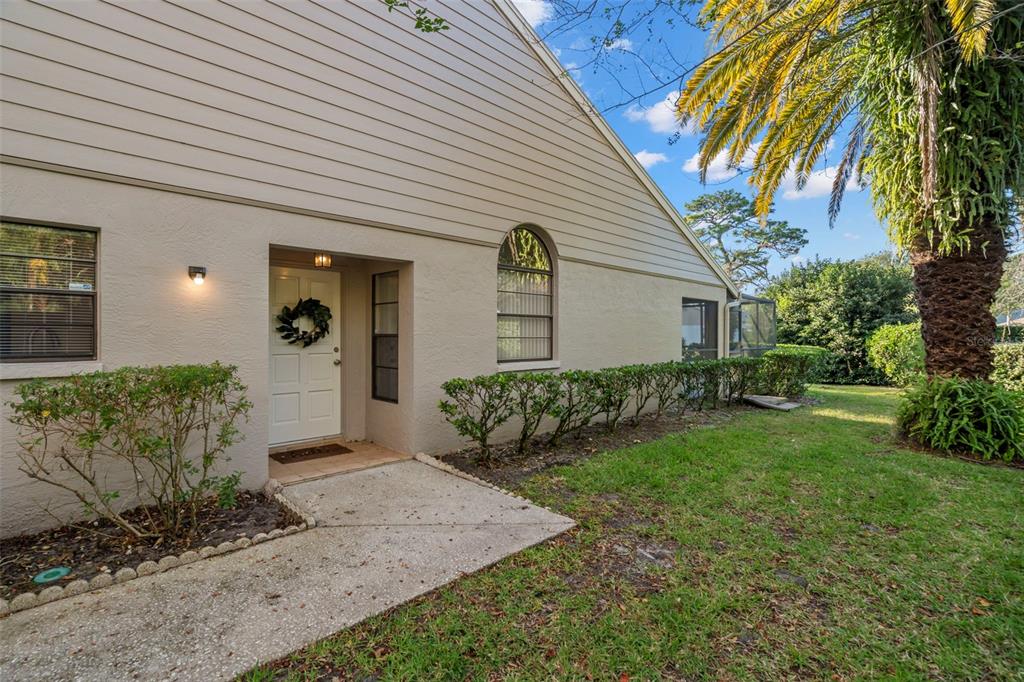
{"x":448,"y":468}
{"x":299,"y":520}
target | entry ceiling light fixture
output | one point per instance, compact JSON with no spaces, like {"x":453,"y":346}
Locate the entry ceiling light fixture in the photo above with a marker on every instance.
{"x":322,"y":260}
{"x":197,"y":273}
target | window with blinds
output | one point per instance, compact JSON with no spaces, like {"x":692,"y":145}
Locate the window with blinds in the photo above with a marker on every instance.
{"x":47,"y":293}
{"x":525,"y":298}
{"x":385,"y":336}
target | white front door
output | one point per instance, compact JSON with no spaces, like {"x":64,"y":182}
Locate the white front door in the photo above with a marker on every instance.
{"x":305,"y":383}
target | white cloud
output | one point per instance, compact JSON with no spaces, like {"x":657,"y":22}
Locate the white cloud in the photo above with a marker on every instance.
{"x":718,"y":169}
{"x":620,"y":44}
{"x":535,"y":11}
{"x":819,"y":184}
{"x":851,"y":236}
{"x":798,"y":260}
{"x":661,"y":117}
{"x":648,"y":159}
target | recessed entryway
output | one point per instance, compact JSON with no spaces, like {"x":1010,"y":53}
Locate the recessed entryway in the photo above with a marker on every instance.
{"x":332,"y":458}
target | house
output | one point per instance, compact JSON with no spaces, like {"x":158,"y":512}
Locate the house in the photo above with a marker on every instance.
{"x":174,"y":175}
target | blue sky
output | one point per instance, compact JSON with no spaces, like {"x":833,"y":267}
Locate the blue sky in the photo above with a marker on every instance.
{"x":647,"y":126}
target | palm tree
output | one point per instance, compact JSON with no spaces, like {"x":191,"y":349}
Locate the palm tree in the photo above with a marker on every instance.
{"x":930,"y":97}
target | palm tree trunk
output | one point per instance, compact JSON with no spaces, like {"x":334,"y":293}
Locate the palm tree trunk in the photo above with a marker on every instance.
{"x":955,"y":294}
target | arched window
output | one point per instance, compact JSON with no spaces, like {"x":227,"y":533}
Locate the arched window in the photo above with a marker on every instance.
{"x":525,"y":298}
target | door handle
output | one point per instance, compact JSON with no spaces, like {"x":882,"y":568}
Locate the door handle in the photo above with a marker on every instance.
{"x":337,"y":362}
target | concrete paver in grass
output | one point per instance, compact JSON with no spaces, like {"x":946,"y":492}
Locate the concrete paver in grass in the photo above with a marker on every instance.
{"x":384,"y":536}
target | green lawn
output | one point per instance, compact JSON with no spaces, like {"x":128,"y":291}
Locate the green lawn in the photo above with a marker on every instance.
{"x":800,"y":545}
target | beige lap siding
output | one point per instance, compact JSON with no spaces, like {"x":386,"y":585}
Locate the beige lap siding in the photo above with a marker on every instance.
{"x":341,"y":107}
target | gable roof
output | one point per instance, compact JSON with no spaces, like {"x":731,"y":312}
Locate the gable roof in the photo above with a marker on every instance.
{"x":544,"y":54}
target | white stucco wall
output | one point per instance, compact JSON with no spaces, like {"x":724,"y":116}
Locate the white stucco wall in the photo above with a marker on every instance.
{"x":151,"y":313}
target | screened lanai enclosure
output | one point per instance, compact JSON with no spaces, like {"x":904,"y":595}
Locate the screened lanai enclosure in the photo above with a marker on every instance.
{"x":751,"y":327}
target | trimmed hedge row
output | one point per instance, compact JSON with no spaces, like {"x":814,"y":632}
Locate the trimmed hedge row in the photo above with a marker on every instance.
{"x":575,"y":398}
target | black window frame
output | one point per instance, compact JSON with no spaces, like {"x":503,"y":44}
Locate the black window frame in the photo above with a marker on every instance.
{"x":92,"y":295}
{"x":550,"y":273}
{"x":374,"y":335}
{"x":707,"y":349}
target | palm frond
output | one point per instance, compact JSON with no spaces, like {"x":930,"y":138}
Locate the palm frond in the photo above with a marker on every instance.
{"x":972,"y":24}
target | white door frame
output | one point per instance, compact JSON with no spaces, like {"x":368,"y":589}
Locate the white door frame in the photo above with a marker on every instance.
{"x":304,"y":383}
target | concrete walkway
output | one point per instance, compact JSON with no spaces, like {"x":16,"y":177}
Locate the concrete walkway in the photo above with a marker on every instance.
{"x":384,"y":536}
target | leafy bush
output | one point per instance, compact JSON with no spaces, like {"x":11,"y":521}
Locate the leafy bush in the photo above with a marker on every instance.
{"x":1008,"y":370}
{"x":823,"y":368}
{"x":701,"y":382}
{"x":167,"y":427}
{"x":642,"y":379}
{"x":740,"y":377}
{"x":786,"y":371}
{"x":578,"y":403}
{"x":478,"y":406}
{"x":665,"y":383}
{"x":897,"y":351}
{"x":534,"y":394}
{"x":614,"y":390}
{"x":964,"y":416}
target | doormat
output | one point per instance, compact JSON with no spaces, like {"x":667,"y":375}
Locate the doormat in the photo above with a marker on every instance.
{"x":306,"y":454}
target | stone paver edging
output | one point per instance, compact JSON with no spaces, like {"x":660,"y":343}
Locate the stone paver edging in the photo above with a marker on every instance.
{"x":302,"y":519}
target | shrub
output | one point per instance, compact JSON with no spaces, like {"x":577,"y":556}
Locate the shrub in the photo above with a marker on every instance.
{"x":897,"y":351}
{"x":964,"y":416}
{"x":478,"y":406}
{"x":614,"y":390}
{"x":578,"y":403}
{"x":665,"y":384}
{"x":701,"y":382}
{"x":533,"y":396}
{"x":642,"y":380}
{"x":1008,"y":370}
{"x":786,"y":371}
{"x":739,"y":377}
{"x":168,"y":427}
{"x":823,"y":369}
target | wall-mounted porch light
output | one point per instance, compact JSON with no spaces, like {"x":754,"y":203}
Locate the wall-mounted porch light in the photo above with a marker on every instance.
{"x":197,"y":273}
{"x":322,"y":260}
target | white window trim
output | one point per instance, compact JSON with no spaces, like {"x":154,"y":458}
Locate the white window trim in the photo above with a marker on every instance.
{"x":47,"y":370}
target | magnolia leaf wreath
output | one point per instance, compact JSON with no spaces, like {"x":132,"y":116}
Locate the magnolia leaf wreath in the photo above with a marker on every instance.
{"x":314,"y":310}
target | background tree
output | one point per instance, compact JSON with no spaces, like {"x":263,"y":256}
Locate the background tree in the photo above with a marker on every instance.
{"x":839,"y":304}
{"x":931,"y":96}
{"x":740,"y":240}
{"x":1010,"y":297}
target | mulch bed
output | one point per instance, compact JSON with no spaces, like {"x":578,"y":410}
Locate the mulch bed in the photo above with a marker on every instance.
{"x":507,"y":468}
{"x":91,"y":548}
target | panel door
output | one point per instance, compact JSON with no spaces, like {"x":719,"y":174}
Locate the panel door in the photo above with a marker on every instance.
{"x":305,"y":383}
